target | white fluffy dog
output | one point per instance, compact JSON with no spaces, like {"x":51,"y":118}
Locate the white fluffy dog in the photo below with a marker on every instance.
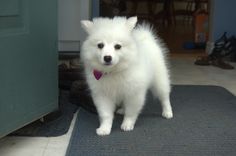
{"x":122,"y":61}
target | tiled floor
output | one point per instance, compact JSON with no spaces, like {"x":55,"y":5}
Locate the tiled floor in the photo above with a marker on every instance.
{"x":183,"y":72}
{"x":36,"y":146}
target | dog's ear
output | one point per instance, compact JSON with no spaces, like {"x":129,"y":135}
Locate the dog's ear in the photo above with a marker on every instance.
{"x":131,"y":22}
{"x":87,"y":25}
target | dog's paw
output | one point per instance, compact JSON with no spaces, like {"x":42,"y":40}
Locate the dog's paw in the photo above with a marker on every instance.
{"x":127,"y":126}
{"x":167,"y":114}
{"x":102,"y":131}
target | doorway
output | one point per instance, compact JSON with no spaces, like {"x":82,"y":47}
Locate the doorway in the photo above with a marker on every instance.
{"x":174,"y":21}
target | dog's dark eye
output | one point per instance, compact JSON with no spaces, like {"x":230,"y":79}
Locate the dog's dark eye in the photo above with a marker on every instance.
{"x":100,"y":45}
{"x":117,"y":46}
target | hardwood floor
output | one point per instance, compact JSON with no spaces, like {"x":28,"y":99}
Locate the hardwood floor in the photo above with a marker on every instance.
{"x":175,"y":36}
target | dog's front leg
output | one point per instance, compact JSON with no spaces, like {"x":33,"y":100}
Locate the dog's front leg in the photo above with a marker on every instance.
{"x":105,"y":109}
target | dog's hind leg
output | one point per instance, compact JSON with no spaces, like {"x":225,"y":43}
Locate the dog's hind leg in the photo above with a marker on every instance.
{"x":161,"y":88}
{"x":120,"y":111}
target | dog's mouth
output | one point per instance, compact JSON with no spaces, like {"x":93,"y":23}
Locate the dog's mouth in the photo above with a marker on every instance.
{"x":107,"y":64}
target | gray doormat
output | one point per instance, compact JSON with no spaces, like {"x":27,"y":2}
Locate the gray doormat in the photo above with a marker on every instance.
{"x":56,"y":123}
{"x":204,"y":123}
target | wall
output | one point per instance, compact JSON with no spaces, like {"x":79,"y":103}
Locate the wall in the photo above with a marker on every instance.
{"x":223,"y":18}
{"x":70,"y":33}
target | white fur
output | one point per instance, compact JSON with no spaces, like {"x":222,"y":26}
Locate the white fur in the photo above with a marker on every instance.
{"x":138,"y":66}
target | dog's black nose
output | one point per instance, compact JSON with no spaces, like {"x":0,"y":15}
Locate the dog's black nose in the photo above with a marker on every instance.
{"x":107,"y":59}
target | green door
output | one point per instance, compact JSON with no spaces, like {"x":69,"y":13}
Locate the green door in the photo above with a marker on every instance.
{"x":28,"y":61}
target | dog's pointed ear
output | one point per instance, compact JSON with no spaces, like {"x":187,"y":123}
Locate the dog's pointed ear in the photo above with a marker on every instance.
{"x":87,"y":25}
{"x":131,"y":22}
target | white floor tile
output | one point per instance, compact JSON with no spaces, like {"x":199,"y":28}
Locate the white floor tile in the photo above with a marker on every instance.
{"x":57,"y":146}
{"x":36,"y":146}
{"x":23,"y":146}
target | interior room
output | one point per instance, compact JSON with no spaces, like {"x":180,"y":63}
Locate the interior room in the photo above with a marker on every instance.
{"x":46,"y":104}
